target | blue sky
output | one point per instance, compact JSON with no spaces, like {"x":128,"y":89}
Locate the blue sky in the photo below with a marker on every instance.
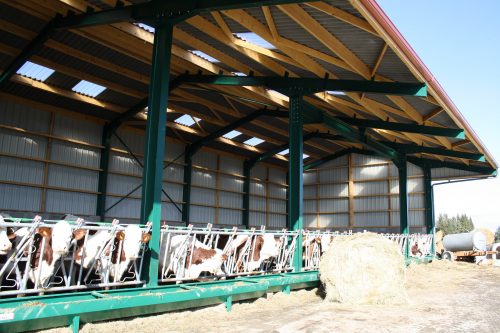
{"x":459,"y":41}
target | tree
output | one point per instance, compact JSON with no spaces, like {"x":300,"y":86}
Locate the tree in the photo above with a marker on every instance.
{"x":455,"y":225}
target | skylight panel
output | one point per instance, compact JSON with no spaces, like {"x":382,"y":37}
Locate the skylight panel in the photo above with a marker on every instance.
{"x":88,"y":88}
{"x":304,"y":156}
{"x":253,"y":142}
{"x":231,"y":135}
{"x":278,"y":94}
{"x":146,"y":27}
{"x":186,"y":120}
{"x":255,"y":39}
{"x":35,"y":71}
{"x":204,"y":56}
{"x":284,"y":152}
{"x":239,"y":74}
{"x":333,"y":92}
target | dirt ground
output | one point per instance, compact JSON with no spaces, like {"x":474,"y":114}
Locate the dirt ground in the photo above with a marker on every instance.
{"x":443,"y":297}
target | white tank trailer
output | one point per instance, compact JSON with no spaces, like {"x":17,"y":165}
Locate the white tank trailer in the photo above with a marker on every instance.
{"x":469,"y":241}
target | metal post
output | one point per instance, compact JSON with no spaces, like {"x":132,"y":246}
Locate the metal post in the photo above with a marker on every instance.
{"x":246,"y":195}
{"x":103,"y":173}
{"x":186,"y":189}
{"x":403,"y":198}
{"x":155,"y":146}
{"x":295,"y":174}
{"x":429,"y":204}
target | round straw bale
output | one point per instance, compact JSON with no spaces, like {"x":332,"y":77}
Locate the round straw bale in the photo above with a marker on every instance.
{"x":488,"y":234}
{"x":364,"y":268}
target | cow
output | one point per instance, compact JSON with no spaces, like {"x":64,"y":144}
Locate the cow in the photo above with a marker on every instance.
{"x":415,"y":250}
{"x":326,"y":242}
{"x":96,"y":241}
{"x":257,"y":250}
{"x":311,"y":250}
{"x":196,"y":256}
{"x":7,"y":235}
{"x":124,"y":250}
{"x":55,"y":243}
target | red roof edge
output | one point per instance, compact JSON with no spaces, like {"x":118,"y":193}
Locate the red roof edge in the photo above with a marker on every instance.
{"x":377,"y":13}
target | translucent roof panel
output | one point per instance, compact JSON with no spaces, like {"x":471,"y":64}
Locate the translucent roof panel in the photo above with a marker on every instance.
{"x":146,"y":27}
{"x":231,"y":135}
{"x":253,"y":142}
{"x":187,"y":120}
{"x":88,"y":88}
{"x":255,"y":39}
{"x":35,"y":71}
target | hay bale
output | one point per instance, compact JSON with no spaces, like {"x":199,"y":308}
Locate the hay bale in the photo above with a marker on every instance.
{"x":488,"y":234}
{"x":364,"y":268}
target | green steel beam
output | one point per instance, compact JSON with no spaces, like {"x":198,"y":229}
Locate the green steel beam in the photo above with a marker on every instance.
{"x":410,"y":128}
{"x":415,"y":149}
{"x":349,"y":132}
{"x":429,"y":205}
{"x":29,"y":50}
{"x":338,"y":154}
{"x":104,"y":171}
{"x":484,"y":168}
{"x":309,"y":86}
{"x":155,"y":146}
{"x":401,"y":164}
{"x":295,"y":174}
{"x":55,"y":310}
{"x":174,"y":11}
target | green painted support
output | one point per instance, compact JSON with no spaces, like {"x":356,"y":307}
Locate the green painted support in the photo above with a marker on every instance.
{"x":229,"y":303}
{"x":415,"y":149}
{"x":338,"y":154}
{"x":309,"y":86}
{"x":33,"y":46}
{"x":295,"y":175}
{"x":401,"y":164}
{"x":483,"y":168}
{"x":348,"y":132}
{"x":409,"y":128}
{"x":103,"y":173}
{"x":155,"y":146}
{"x":57,"y":310}
{"x":429,"y":205}
{"x":174,"y":11}
{"x":186,"y":188}
{"x":75,"y":324}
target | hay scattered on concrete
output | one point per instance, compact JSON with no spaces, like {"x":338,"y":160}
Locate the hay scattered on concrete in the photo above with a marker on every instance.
{"x":488,"y":234}
{"x":365,"y":268}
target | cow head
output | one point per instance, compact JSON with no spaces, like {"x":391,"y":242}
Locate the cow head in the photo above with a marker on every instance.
{"x":61,"y":236}
{"x":7,"y":235}
{"x":133,"y":237}
{"x":269,"y":248}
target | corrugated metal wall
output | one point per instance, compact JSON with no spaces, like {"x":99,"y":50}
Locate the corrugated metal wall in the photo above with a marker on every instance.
{"x":53,"y":169}
{"x":360,"y":192}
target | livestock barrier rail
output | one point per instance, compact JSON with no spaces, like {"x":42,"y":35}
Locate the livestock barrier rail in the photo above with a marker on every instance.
{"x":66,"y":270}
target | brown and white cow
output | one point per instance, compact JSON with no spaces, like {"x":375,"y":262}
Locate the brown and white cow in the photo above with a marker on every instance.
{"x":50,"y":245}
{"x":197,"y":257}
{"x":124,"y":251}
{"x":261,"y":248}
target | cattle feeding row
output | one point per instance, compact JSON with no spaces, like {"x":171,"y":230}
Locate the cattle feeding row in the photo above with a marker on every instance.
{"x":41,"y":256}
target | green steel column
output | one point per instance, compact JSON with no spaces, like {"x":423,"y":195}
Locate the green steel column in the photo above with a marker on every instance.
{"x":429,"y":204}
{"x":403,"y":198}
{"x":295,"y":174}
{"x":246,"y":195}
{"x":103,"y":173}
{"x":155,"y":146}
{"x":186,"y":187}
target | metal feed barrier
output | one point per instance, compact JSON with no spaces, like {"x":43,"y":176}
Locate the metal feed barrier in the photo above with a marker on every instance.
{"x":94,"y":269}
{"x":19,"y":276}
{"x":237,"y":246}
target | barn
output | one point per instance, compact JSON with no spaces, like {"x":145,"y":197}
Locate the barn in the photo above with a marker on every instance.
{"x":210,"y":126}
